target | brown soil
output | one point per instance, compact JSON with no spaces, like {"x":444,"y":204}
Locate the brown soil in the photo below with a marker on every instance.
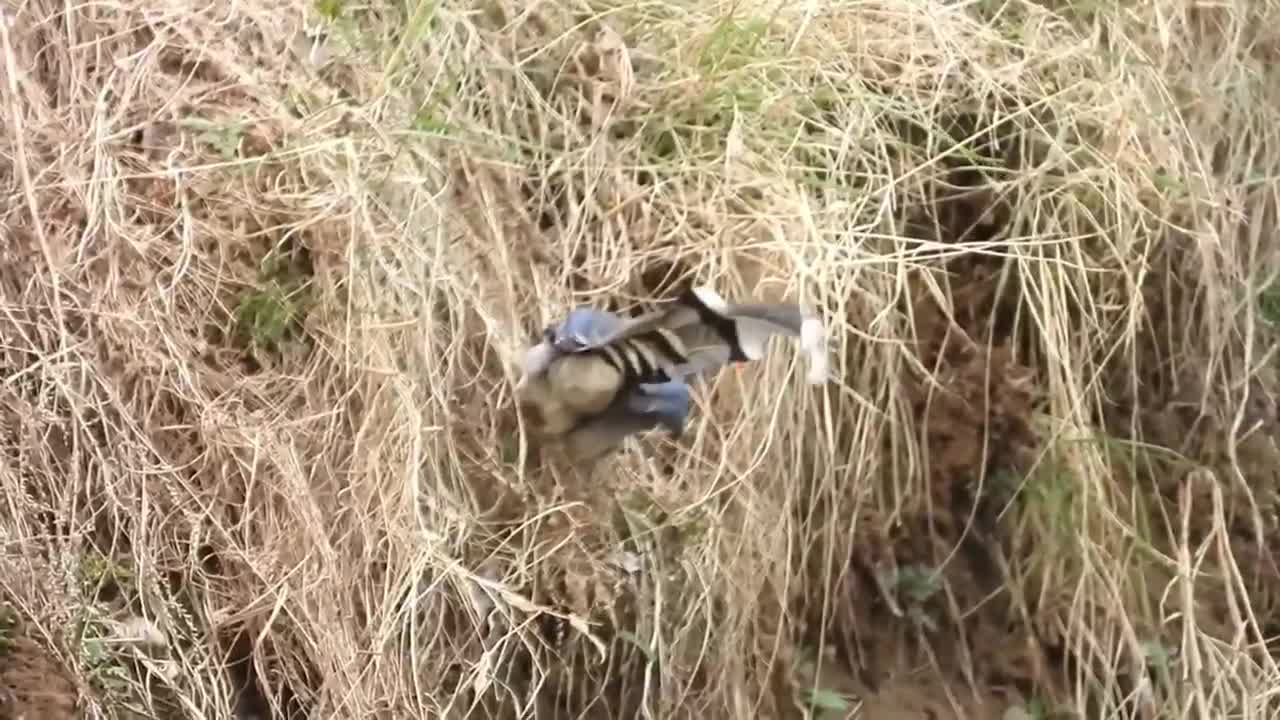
{"x":34,"y":684}
{"x":929,"y":700}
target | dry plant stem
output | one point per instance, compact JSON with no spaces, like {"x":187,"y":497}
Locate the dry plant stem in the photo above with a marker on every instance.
{"x":265,"y":268}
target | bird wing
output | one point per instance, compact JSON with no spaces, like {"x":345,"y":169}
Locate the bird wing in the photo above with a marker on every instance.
{"x":640,"y":410}
{"x":709,"y":332}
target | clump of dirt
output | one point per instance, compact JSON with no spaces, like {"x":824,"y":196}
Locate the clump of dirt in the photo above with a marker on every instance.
{"x":974,"y":413}
{"x":33,"y":681}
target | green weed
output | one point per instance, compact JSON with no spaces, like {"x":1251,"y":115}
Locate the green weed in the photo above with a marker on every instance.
{"x":223,"y":137}
{"x":272,"y":312}
{"x":8,"y":626}
{"x":1269,"y":303}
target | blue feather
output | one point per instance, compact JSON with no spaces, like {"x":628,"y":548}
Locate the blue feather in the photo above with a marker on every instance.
{"x":584,"y":325}
{"x":666,"y":403}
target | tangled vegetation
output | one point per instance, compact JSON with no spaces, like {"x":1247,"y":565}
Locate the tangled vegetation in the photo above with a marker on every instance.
{"x":265,"y":267}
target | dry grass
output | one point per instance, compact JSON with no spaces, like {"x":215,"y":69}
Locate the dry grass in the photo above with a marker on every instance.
{"x":264,"y":264}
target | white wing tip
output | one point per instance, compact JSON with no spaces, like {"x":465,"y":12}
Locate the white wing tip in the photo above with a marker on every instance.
{"x":813,"y":342}
{"x":711,"y":299}
{"x":751,"y":339}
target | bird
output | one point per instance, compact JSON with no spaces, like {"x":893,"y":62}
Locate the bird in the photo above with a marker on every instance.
{"x":596,"y":378}
{"x":585,"y":388}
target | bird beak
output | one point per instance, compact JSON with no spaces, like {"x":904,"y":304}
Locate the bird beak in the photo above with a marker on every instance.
{"x":537,"y":358}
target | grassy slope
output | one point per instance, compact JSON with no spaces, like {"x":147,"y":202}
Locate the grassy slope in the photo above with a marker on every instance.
{"x":263,"y":265}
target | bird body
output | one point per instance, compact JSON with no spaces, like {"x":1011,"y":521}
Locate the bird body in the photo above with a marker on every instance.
{"x":596,"y":377}
{"x":642,"y":409}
